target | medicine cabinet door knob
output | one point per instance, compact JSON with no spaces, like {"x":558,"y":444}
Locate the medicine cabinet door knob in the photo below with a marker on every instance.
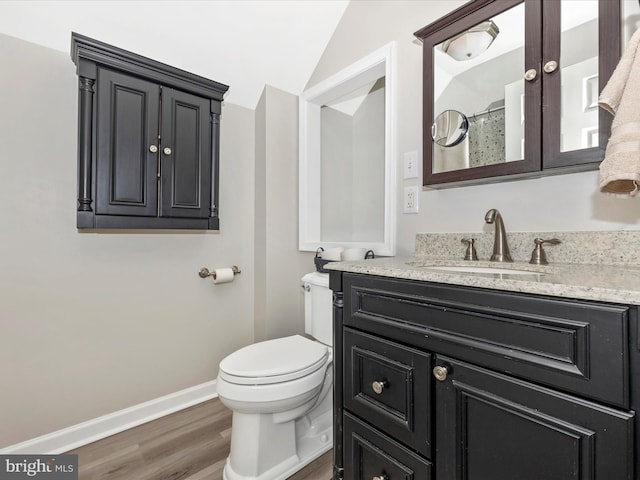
{"x":167,"y":151}
{"x":530,"y":74}
{"x":550,"y":66}
{"x":153,"y":148}
{"x":440,"y":373}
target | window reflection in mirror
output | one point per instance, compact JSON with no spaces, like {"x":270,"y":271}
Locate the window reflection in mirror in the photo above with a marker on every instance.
{"x":579,"y":74}
{"x":353,"y":165}
{"x":483,"y":79}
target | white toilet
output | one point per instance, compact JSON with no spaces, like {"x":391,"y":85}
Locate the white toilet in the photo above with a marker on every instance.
{"x":280,"y":392}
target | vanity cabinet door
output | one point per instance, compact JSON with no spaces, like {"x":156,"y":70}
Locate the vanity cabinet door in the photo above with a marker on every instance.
{"x":491,"y":426}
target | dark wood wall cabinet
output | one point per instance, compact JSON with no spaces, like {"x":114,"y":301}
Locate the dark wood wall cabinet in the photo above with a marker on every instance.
{"x":148,"y":141}
{"x":444,"y":382}
{"x":529,"y":98}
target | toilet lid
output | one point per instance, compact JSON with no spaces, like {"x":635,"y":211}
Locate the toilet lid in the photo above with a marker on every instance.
{"x":274,"y":361}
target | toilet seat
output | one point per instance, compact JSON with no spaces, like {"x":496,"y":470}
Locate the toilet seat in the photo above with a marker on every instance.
{"x":274,"y":361}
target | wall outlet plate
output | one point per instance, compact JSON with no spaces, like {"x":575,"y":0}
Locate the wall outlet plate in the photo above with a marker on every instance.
{"x":410,"y":199}
{"x":410,"y":164}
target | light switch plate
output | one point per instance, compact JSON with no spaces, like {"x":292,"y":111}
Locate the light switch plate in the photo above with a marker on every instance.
{"x":411,"y":164}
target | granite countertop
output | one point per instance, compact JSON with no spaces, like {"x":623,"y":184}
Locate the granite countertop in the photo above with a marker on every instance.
{"x":604,"y":283}
{"x":599,"y":266}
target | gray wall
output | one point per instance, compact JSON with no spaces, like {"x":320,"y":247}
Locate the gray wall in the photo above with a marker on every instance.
{"x":95,"y":322}
{"x":280,"y":266}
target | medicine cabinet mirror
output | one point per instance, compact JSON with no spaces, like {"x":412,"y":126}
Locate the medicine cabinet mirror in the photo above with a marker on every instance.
{"x":346,"y":158}
{"x":526,"y":75}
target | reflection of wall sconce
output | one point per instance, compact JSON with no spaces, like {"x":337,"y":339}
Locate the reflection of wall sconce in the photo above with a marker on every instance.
{"x":471,"y":43}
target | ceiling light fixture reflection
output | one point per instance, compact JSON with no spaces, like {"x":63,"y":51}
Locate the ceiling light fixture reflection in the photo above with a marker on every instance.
{"x":471,"y":43}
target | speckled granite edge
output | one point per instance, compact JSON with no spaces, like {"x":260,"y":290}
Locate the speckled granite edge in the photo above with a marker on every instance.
{"x":605,"y":248}
{"x":603,"y":283}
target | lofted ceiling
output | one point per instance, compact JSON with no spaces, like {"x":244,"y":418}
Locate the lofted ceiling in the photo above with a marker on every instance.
{"x":243,"y":43}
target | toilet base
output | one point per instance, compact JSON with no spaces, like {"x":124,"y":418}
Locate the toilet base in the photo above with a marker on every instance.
{"x":284,"y":470}
{"x":313,"y":437}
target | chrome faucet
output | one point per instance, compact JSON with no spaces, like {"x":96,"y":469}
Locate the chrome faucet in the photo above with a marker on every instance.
{"x":500,"y":246}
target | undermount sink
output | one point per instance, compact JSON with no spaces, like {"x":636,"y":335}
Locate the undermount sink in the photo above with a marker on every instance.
{"x":480,"y":269}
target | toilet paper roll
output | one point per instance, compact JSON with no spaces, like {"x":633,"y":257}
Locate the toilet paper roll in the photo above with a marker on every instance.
{"x":222,"y":275}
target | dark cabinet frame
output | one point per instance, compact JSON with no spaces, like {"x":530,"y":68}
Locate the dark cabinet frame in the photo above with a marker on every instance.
{"x":542,"y":38}
{"x":565,"y":370}
{"x":161,"y":209}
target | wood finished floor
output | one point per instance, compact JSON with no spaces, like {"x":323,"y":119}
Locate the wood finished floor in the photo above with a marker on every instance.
{"x":191,"y":444}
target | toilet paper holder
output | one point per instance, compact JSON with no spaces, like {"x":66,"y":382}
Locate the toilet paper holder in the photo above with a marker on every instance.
{"x":204,"y":272}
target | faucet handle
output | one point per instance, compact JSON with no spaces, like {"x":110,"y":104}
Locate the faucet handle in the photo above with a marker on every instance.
{"x":471,"y":253}
{"x":538,"y":257}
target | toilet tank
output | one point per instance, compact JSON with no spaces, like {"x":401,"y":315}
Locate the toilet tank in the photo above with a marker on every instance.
{"x":318,"y":307}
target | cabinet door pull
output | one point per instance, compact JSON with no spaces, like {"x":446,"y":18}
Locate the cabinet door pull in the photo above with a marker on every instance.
{"x":167,"y":151}
{"x":530,"y":74}
{"x":440,"y":372}
{"x":550,"y":66}
{"x":153,"y":148}
{"x":379,"y":386}
{"x":380,"y":477}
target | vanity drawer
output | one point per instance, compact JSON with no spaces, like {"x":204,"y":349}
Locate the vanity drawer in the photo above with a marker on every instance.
{"x":577,"y":346}
{"x":371,"y":454}
{"x":382,"y":381}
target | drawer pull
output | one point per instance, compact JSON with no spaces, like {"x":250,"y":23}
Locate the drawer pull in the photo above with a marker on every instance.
{"x":380,"y":477}
{"x":378,"y":387}
{"x":440,"y":373}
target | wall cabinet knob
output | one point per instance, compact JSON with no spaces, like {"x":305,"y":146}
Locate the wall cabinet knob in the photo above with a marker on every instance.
{"x":380,"y":477}
{"x":440,"y":373}
{"x":153,"y":148}
{"x":550,"y":66}
{"x":379,"y":386}
{"x":167,"y":151}
{"x":530,"y":74}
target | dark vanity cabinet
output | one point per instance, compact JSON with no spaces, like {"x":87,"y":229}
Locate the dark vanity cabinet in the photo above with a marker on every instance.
{"x":454,"y":383}
{"x":148,"y":142}
{"x":510,"y":89}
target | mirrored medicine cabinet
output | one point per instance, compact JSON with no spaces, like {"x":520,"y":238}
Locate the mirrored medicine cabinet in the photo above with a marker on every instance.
{"x":346,"y":158}
{"x":510,"y":89}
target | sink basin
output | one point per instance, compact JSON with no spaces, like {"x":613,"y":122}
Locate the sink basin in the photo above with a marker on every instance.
{"x":480,"y":269}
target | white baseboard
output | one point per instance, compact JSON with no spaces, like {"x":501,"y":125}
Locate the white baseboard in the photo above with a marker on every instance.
{"x":97,"y":428}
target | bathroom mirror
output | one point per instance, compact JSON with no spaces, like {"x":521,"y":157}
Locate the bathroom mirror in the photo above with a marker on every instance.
{"x":346,"y":161}
{"x":478,"y":72}
{"x":526,"y":74}
{"x":449,"y":128}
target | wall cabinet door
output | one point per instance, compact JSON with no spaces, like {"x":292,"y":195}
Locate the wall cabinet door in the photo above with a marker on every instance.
{"x":491,"y":426}
{"x":185,"y":157}
{"x":126,"y":130}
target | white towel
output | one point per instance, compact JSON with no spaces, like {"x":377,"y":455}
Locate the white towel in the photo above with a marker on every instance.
{"x":620,"y":169}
